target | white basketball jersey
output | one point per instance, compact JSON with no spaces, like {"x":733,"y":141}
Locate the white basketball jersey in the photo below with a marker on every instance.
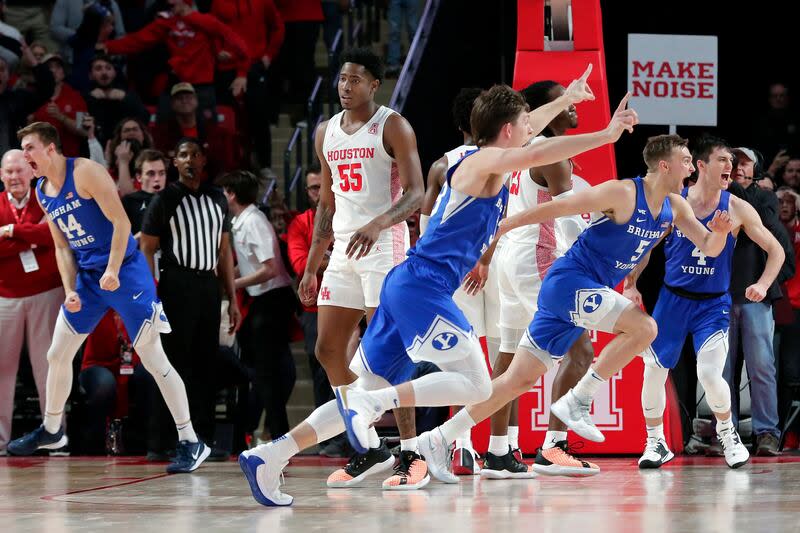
{"x":365,"y":178}
{"x":552,"y":238}
{"x":455,"y":155}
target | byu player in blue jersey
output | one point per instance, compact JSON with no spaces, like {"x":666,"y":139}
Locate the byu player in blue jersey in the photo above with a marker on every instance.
{"x":101,"y":268}
{"x":695,"y":300}
{"x":577,"y":293}
{"x":417,"y":319}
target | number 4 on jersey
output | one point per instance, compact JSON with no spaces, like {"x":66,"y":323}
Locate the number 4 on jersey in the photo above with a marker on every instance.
{"x":701,"y":257}
{"x":70,"y":227}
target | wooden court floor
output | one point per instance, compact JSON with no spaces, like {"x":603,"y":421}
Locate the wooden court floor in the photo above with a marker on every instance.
{"x":127,"y":494}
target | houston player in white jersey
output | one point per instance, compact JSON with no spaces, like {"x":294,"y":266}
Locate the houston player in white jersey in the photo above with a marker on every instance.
{"x":371,"y":182}
{"x":522,"y":265}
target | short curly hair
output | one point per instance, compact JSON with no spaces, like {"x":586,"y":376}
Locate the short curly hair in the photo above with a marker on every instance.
{"x":368,"y":59}
{"x":462,"y":108}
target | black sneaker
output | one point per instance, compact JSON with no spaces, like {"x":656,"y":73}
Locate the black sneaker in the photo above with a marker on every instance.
{"x":656,"y":453}
{"x":38,"y":439}
{"x":505,"y":467}
{"x":411,"y":473}
{"x":188,"y":456}
{"x":361,"y":466}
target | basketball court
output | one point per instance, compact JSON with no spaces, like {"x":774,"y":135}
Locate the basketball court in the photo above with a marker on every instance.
{"x":689,"y":494}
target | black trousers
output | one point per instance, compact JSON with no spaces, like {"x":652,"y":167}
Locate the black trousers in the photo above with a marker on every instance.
{"x":264,"y":340}
{"x":192,"y":304}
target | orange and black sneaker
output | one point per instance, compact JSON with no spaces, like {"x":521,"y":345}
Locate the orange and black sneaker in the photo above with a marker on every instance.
{"x":558,"y":461}
{"x":361,"y":466}
{"x":411,"y":473}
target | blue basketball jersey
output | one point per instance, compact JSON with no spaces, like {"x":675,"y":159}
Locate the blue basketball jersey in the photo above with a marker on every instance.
{"x":83,"y":223}
{"x":609,"y":251}
{"x":690,"y":269}
{"x":459,"y":231}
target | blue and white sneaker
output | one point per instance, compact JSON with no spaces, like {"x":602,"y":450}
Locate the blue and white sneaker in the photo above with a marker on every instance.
{"x":359,"y":411}
{"x":188,"y":456}
{"x":264,"y":473}
{"x":38,"y":439}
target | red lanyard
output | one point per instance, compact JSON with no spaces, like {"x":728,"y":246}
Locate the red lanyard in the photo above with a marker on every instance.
{"x":19,"y":217}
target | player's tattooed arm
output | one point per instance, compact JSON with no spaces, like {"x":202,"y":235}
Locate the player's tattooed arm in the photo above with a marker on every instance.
{"x":323,"y":224}
{"x":401,"y":144}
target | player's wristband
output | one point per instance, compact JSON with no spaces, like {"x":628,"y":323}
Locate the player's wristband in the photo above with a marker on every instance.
{"x":423,"y":223}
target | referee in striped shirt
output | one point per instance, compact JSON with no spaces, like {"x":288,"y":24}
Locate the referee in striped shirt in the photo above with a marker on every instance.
{"x":189,"y":222}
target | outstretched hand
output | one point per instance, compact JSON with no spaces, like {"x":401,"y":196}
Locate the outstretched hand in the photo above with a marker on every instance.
{"x":624,"y":119}
{"x":579,"y":91}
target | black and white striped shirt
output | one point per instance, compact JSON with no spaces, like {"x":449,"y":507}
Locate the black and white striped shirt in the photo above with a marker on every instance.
{"x":189,"y":225}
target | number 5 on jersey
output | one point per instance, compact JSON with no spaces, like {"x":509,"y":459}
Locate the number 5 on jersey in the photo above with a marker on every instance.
{"x":349,"y":178}
{"x":70,"y":227}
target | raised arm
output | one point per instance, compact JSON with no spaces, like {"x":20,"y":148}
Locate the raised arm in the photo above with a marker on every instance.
{"x":578,"y":91}
{"x":95,"y":182}
{"x":710,"y":243}
{"x":607,"y":196}
{"x":758,"y":233}
{"x":436,"y":177}
{"x":402,"y":144}
{"x":548,"y":151}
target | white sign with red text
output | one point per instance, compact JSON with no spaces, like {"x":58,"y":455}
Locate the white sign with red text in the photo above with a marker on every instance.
{"x":673,"y":78}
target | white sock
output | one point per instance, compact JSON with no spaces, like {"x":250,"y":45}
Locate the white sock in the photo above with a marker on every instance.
{"x":409,"y":445}
{"x":724,"y":425}
{"x":513,"y":437}
{"x":464,"y":440}
{"x":655,"y":432}
{"x":587,"y":387}
{"x":186,"y":432}
{"x":374,"y":439}
{"x":456,"y":426}
{"x":551,"y":438}
{"x":285,"y":446}
{"x":498,"y":445}
{"x":52,"y":421}
{"x":387,"y":398}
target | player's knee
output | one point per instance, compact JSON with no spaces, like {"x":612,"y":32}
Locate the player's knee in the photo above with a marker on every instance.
{"x":483,"y":387}
{"x":581,"y":355}
{"x":647,"y":330}
{"x":326,"y":354}
{"x":709,"y":374}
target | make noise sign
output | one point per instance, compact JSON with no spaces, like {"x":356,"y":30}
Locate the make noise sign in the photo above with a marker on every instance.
{"x":673,"y":79}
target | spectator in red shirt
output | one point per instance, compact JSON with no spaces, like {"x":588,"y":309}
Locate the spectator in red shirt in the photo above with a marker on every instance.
{"x":224,"y":153}
{"x":261,"y":27}
{"x":191,"y":39}
{"x":789,"y":330}
{"x":65,"y":110}
{"x":303,"y":19}
{"x":30,"y":287}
